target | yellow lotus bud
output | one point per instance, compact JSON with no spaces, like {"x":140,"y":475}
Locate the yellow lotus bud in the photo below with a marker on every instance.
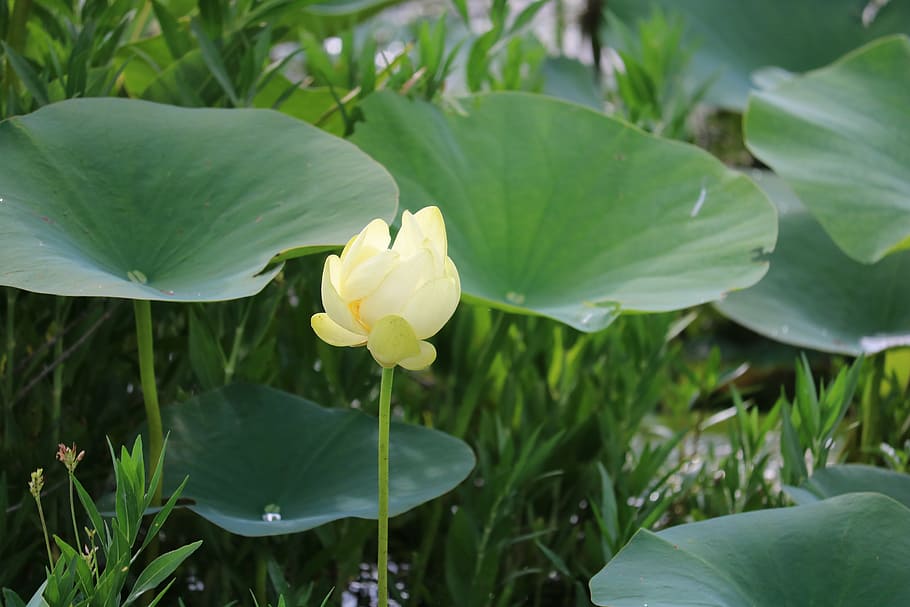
{"x":391,"y":299}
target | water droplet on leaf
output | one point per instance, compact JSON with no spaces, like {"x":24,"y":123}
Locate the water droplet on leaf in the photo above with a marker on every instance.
{"x":272,"y":513}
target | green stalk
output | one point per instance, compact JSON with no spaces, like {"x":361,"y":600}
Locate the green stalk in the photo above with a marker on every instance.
{"x":143,"y":310}
{"x":60,"y":313}
{"x":73,"y":515}
{"x":47,"y":540}
{"x":11,"y":295}
{"x":35,"y":485}
{"x":871,"y":404}
{"x":7,"y":388}
{"x":262,"y":576}
{"x":385,"y":400}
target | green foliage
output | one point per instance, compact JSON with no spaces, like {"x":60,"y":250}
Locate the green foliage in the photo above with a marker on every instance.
{"x":811,"y":420}
{"x":649,"y":84}
{"x":837,"y":551}
{"x":224,"y":218}
{"x":815,"y":132}
{"x":571,"y":171}
{"x":851,"y":308}
{"x":505,"y":57}
{"x":734,"y":40}
{"x":97,"y":569}
{"x":842,"y":479}
{"x":288,"y":490}
{"x":582,"y":439}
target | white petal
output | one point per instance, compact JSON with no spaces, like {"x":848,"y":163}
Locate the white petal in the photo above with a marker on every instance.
{"x":367,"y":276}
{"x":433,"y":227}
{"x":336,"y":307}
{"x":394,"y":293}
{"x":410,"y":237}
{"x":432,"y":305}
{"x":334,"y":334}
{"x":421,"y":361}
{"x":372,"y":239}
{"x":452,"y":271}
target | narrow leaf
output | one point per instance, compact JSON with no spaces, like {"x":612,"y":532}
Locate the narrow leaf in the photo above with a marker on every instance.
{"x":159,"y":569}
{"x":213,"y":60}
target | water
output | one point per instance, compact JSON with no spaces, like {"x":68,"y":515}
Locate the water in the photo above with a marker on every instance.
{"x":363,"y":591}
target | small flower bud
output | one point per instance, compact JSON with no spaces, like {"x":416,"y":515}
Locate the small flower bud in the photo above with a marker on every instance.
{"x":69,"y":457}
{"x":37,"y":483}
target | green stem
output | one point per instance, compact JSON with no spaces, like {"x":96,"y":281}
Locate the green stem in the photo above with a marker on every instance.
{"x":61,"y":309}
{"x":47,"y":541}
{"x":11,"y":295}
{"x":262,"y":574}
{"x":385,"y":400}
{"x":871,"y":404}
{"x":144,"y":340}
{"x":73,"y":515}
{"x":231,"y":365}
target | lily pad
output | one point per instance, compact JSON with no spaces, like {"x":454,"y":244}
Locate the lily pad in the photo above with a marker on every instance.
{"x":850,"y":551}
{"x":814,"y":296}
{"x":131,"y":199}
{"x":734,"y":39}
{"x":264,"y":462}
{"x":838,"y":137}
{"x":557,"y":210}
{"x":852,"y":478}
{"x":572,"y":80}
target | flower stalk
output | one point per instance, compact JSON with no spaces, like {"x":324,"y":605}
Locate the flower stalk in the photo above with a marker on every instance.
{"x":390,"y":297}
{"x":143,"y":309}
{"x":71,"y":458}
{"x":35,"y":485}
{"x":385,"y":415}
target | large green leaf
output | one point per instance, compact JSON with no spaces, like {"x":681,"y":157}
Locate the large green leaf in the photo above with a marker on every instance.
{"x":838,"y":136}
{"x":850,"y":551}
{"x":852,"y":478}
{"x":264,"y":462}
{"x":120,"y":198}
{"x":735,"y":38}
{"x":816,"y":297}
{"x":558,"y":210}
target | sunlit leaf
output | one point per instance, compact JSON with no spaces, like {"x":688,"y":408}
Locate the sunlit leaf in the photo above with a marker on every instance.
{"x":120,"y":198}
{"x":849,"y":551}
{"x":837,"y":136}
{"x":557,"y":210}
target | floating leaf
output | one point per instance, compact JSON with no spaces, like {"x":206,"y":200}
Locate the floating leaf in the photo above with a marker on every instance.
{"x":850,"y":551}
{"x":838,"y":137}
{"x":852,"y":478}
{"x":122,"y":198}
{"x":814,"y":296}
{"x":557,"y":210}
{"x":264,"y":462}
